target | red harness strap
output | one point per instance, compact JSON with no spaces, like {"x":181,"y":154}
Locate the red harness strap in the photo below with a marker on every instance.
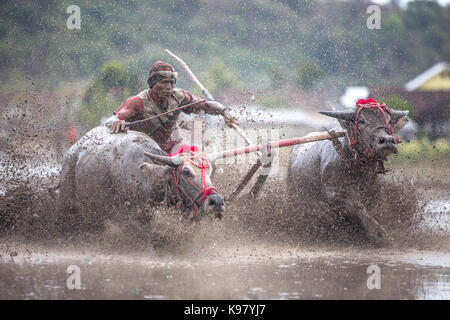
{"x":200,"y":160}
{"x":354,"y":132}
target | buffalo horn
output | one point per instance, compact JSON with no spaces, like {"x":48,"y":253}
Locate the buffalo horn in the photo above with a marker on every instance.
{"x":343,"y":115}
{"x":170,"y":161}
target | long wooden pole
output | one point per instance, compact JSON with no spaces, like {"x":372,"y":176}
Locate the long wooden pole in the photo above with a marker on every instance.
{"x":245,"y":180}
{"x":191,"y":74}
{"x":277,"y":144}
{"x":274,"y":144}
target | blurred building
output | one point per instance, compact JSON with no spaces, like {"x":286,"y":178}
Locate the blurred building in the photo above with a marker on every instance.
{"x":437,"y":78}
{"x":353,"y":94}
{"x":429,"y":92}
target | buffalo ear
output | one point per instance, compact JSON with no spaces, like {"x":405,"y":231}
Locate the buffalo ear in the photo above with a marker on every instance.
{"x":346,"y":115}
{"x":213,"y":167}
{"x":212,"y":157}
{"x":399,"y":119}
{"x":398,"y":114}
{"x":149,"y":169}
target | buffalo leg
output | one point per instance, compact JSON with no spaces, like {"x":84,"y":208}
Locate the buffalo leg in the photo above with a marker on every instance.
{"x":353,"y":206}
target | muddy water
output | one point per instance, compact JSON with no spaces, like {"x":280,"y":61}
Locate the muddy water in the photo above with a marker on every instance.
{"x":220,"y":264}
{"x":292,"y":273}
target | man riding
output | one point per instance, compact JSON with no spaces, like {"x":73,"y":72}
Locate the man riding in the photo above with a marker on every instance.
{"x":162,"y":96}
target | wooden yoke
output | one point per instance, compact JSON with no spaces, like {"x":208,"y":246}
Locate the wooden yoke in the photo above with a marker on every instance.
{"x":266,"y":148}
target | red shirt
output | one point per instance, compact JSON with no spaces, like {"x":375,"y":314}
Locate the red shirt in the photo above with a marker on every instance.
{"x":133,"y":109}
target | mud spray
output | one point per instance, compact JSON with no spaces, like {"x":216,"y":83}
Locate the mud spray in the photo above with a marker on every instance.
{"x":29,"y":211}
{"x":270,"y":226}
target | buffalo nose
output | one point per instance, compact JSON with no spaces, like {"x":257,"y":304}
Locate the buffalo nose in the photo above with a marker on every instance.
{"x":216,"y":201}
{"x":383,"y":140}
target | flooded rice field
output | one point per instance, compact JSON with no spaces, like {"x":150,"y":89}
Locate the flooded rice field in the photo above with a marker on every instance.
{"x":268,"y":273}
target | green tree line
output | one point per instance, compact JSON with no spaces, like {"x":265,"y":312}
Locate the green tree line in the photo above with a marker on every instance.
{"x":254,"y":43}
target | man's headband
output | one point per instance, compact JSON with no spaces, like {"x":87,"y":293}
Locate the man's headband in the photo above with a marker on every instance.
{"x":159,"y":75}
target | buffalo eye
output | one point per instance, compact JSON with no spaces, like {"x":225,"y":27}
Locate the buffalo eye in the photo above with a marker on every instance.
{"x":187,"y":173}
{"x":361,"y":121}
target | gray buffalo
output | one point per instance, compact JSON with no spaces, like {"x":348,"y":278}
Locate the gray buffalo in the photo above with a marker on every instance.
{"x":344,"y":176}
{"x":104,"y":173}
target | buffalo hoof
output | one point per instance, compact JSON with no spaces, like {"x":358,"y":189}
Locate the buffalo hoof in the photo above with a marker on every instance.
{"x":376,"y":238}
{"x":374,"y":231}
{"x":377,"y":235}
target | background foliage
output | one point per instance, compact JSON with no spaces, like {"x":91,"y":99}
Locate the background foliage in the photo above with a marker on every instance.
{"x":261,"y":42}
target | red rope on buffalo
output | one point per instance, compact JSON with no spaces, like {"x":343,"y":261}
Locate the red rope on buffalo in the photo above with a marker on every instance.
{"x":354,"y":131}
{"x":199,"y":160}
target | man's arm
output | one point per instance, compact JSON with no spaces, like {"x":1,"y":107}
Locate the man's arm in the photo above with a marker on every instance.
{"x":210,"y":107}
{"x":214,"y":107}
{"x":130,"y":108}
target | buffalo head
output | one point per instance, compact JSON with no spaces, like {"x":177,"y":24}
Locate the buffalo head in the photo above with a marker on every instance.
{"x":192,"y":176}
{"x":371,"y":128}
